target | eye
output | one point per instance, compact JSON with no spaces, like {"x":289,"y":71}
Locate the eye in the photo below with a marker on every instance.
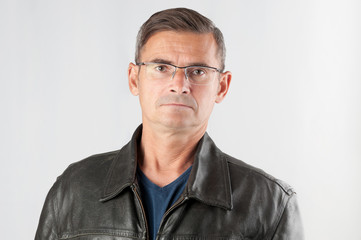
{"x":198,"y":71}
{"x":161,"y":68}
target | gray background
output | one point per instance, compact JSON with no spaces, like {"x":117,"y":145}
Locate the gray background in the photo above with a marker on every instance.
{"x":293,"y":109}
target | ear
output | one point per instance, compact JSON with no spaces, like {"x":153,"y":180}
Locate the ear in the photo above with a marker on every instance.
{"x":133,"y":71}
{"x":223,"y":86}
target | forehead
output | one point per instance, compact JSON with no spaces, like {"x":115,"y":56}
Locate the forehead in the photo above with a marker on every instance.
{"x":181,"y":48}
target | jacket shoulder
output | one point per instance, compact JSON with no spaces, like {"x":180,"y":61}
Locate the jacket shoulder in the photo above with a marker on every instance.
{"x":92,"y":166}
{"x":265,"y":198}
{"x":242,"y":170}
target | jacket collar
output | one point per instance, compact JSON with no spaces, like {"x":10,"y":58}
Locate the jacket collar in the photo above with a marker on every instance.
{"x":209,"y":180}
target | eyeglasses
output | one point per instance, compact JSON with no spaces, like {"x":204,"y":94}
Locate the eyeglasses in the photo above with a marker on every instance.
{"x":199,"y":75}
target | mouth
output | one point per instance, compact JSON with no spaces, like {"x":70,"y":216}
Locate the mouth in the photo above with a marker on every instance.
{"x":179,"y":105}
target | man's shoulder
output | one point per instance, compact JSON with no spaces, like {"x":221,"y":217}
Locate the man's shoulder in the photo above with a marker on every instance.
{"x":83,"y":179}
{"x":241,"y":172}
{"x":99,"y":158}
{"x":92,"y":166}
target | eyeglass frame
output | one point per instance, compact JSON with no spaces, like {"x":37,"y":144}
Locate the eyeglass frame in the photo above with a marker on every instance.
{"x":185,"y":68}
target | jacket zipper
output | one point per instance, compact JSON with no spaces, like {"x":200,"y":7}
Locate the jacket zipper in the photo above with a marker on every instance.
{"x":177,"y":204}
{"x":134,"y":188}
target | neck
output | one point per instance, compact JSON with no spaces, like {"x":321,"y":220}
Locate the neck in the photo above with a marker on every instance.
{"x":164,"y":154}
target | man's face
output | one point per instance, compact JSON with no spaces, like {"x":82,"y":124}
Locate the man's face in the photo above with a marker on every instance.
{"x":177,"y":103}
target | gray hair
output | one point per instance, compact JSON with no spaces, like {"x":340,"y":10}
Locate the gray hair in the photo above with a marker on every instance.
{"x":179,"y":19}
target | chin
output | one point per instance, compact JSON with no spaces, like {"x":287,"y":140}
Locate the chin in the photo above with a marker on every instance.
{"x":176,"y":123}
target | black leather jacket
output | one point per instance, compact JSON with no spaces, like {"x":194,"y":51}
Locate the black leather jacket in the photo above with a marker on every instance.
{"x":98,"y":198}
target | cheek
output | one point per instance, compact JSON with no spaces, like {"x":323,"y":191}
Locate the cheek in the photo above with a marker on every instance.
{"x":205,"y":98}
{"x":148,"y":93}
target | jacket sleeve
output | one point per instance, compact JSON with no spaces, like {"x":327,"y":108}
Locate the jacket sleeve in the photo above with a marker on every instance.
{"x":290,"y":224}
{"x":47,"y":228}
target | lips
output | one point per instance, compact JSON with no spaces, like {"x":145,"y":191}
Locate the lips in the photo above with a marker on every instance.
{"x":177,"y":101}
{"x":176,"y":105}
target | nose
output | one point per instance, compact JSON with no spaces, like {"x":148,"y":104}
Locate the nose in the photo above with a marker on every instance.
{"x":179,"y":83}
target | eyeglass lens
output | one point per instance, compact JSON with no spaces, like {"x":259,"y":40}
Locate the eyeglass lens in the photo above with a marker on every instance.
{"x":194,"y":74}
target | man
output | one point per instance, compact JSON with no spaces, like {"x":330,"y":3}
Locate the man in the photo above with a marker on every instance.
{"x":171,"y":181}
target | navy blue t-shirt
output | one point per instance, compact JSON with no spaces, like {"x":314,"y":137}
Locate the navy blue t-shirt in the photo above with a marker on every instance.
{"x":157,"y":200}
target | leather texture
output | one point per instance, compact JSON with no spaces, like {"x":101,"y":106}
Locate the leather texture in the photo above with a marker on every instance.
{"x":225,"y":198}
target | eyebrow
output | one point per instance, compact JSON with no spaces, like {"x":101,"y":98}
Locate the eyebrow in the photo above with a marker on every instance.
{"x":161,"y":60}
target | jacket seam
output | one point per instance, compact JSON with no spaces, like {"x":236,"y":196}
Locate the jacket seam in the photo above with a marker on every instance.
{"x":203,"y":236}
{"x":280,"y":216}
{"x":102,"y":234}
{"x":226,"y":184}
{"x":88,"y":232}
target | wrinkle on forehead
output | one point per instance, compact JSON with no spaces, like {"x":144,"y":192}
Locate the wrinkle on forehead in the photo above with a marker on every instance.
{"x":181,"y":48}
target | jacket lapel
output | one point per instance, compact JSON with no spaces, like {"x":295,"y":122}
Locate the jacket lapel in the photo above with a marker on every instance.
{"x":209,"y":181}
{"x":122,"y":171}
